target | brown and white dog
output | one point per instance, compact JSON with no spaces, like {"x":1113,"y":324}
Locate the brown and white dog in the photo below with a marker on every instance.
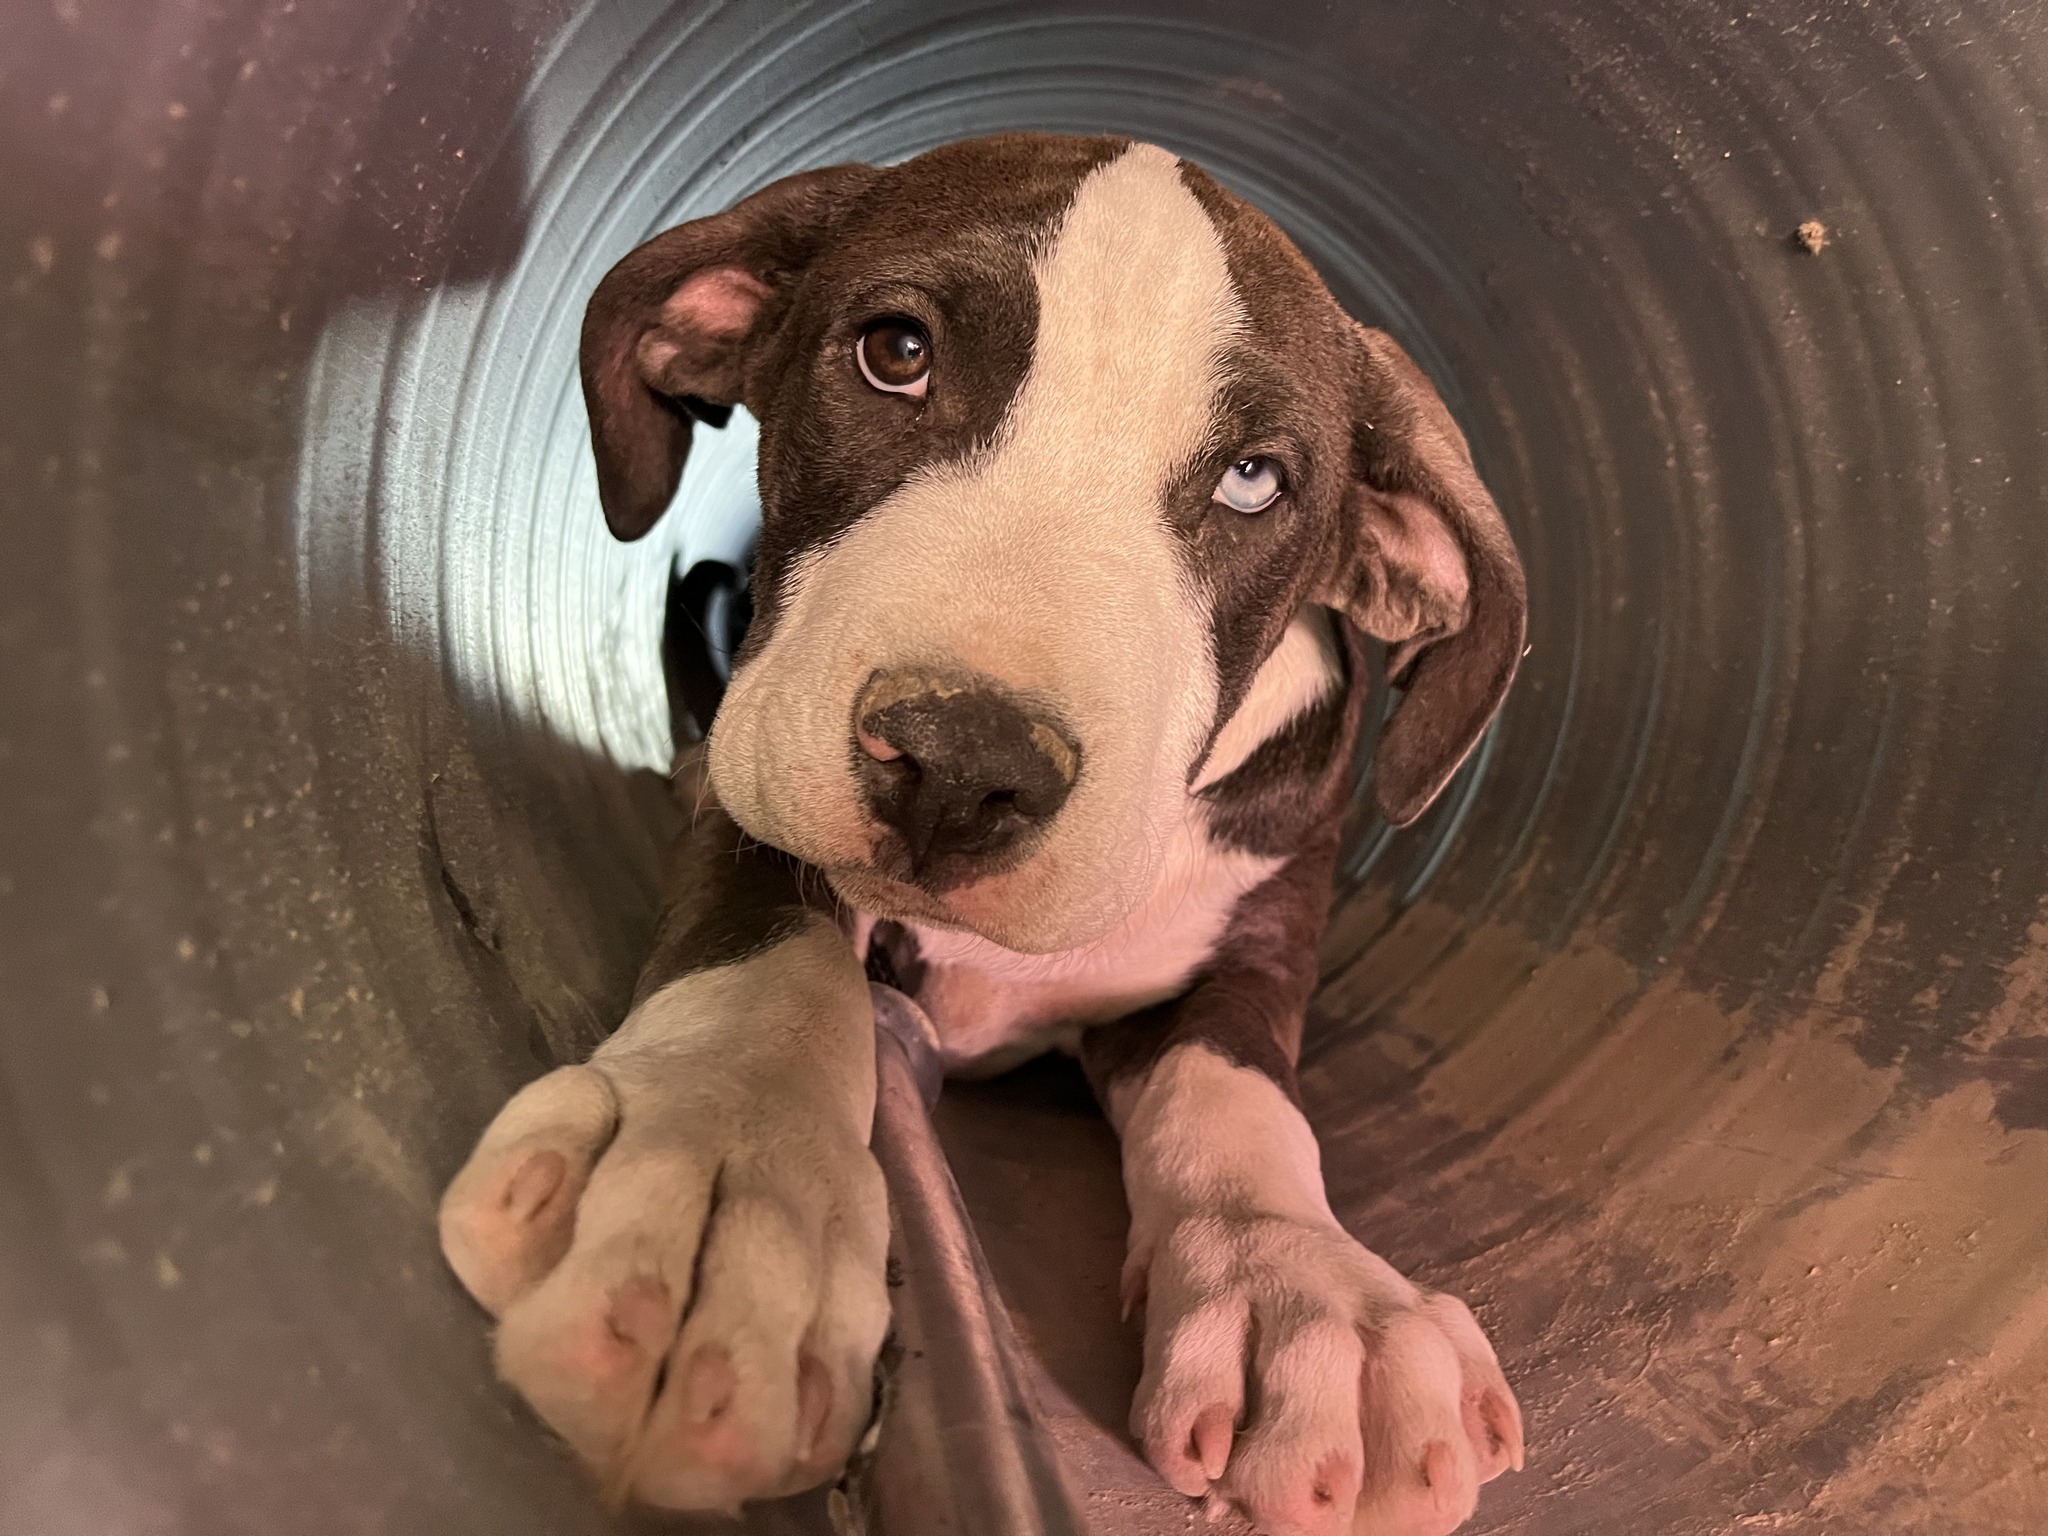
{"x":1078,"y":489}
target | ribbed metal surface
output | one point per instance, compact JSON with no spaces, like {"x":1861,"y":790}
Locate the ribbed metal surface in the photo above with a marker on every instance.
{"x":960,"y":1445}
{"x":1698,"y":1037}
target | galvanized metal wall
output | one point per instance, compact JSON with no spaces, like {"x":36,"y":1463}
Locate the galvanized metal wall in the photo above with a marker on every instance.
{"x":1700,"y":1037}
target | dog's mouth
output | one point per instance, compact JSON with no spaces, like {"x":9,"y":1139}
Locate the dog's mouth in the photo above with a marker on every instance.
{"x":879,"y":895}
{"x":1027,"y":921}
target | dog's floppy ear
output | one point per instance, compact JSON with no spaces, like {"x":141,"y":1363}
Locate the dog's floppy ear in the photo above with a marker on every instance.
{"x":672,"y":328}
{"x":1423,"y":562}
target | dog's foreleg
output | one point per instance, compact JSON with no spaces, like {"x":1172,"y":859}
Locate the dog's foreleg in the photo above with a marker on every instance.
{"x":1287,"y":1368}
{"x":683,"y":1239}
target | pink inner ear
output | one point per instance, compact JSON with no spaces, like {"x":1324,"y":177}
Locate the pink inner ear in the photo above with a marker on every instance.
{"x":1414,"y":538}
{"x":719,"y":301}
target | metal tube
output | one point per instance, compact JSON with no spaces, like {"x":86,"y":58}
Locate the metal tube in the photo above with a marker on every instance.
{"x":959,"y":1447}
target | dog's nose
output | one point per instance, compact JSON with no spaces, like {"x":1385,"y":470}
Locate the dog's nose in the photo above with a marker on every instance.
{"x":959,"y":766}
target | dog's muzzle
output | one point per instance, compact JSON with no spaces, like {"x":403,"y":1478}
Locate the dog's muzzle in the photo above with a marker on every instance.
{"x":964,"y":773}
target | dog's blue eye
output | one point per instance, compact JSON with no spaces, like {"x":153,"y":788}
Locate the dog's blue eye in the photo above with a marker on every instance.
{"x":1250,"y":485}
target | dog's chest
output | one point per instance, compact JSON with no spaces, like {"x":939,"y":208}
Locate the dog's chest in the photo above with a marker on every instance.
{"x":995,"y":1008}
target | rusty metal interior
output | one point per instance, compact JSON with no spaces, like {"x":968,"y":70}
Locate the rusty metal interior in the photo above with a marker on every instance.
{"x":1698,"y":1037}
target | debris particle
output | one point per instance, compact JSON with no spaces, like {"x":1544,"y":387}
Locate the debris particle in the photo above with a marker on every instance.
{"x":43,"y":252}
{"x":167,"y":1274}
{"x":1811,"y":237}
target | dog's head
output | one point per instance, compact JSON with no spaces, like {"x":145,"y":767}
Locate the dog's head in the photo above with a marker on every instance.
{"x":1057,"y":437}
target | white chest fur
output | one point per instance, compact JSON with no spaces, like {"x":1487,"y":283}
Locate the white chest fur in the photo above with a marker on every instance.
{"x":995,"y":1008}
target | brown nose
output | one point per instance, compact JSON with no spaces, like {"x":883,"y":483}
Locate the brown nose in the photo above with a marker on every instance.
{"x":961,"y":768}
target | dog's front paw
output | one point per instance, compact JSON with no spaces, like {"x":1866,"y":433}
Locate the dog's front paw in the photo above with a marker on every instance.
{"x":1295,"y":1374}
{"x":687,"y":1272}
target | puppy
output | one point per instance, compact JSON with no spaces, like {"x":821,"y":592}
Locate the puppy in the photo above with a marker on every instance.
{"x":1079,"y":493}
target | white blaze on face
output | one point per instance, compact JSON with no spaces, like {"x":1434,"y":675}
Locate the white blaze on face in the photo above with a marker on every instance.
{"x":1045,"y":562}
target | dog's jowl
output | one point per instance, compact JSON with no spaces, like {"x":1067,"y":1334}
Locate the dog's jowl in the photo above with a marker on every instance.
{"x":1080,"y":498}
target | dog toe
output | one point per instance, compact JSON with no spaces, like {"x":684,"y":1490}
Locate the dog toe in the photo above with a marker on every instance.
{"x":1191,"y":1396}
{"x":508,"y":1217}
{"x":1300,"y":1463}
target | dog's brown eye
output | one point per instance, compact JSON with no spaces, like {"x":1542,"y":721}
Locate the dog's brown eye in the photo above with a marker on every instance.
{"x":896,"y":356}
